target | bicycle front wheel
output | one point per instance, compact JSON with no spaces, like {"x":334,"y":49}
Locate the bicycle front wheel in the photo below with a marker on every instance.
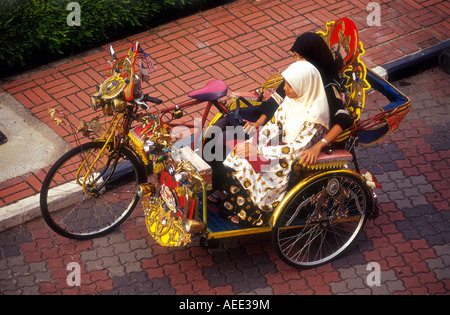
{"x":91,"y":190}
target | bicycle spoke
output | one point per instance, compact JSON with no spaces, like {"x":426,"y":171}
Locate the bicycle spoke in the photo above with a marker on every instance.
{"x":108,"y":197}
{"x":309,"y":235}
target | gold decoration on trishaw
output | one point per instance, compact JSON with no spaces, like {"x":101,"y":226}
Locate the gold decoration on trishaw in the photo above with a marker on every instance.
{"x":112,"y":87}
{"x":343,"y":40}
{"x":166,"y":229}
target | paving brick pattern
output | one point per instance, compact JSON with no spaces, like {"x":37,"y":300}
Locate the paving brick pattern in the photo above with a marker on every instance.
{"x":243,"y":43}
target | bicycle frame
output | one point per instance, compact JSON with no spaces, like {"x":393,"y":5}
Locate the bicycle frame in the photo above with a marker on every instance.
{"x":128,"y":118}
{"x":221,"y":107}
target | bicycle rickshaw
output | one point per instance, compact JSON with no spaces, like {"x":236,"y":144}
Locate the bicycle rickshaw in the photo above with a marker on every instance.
{"x":95,"y":186}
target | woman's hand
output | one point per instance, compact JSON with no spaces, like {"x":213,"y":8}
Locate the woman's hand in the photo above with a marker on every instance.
{"x":310,"y":156}
{"x":250,"y":127}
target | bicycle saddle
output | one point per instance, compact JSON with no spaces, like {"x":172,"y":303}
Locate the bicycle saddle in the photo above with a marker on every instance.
{"x":212,"y":91}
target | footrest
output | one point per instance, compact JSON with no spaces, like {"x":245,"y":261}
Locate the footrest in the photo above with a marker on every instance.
{"x":215,"y":223}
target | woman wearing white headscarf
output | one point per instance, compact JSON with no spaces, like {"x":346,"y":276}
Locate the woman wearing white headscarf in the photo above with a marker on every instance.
{"x":259,"y":168}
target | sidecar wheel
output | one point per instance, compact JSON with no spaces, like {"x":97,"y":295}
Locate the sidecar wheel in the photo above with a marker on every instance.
{"x":305,"y":237}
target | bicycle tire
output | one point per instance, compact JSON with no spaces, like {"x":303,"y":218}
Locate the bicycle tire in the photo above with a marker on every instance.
{"x":307,"y":245}
{"x":105,"y":201}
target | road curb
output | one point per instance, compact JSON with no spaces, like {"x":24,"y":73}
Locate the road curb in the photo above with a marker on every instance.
{"x":19,"y":212}
{"x":412,"y":64}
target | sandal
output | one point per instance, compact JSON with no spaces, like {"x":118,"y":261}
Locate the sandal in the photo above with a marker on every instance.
{"x":213,"y":198}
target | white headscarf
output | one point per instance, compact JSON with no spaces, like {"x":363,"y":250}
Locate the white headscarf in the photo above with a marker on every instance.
{"x":311,"y":104}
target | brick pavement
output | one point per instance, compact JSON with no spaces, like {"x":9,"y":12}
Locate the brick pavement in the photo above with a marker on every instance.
{"x":243,"y":43}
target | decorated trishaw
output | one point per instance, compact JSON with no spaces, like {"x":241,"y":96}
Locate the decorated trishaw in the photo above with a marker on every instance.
{"x":139,"y":156}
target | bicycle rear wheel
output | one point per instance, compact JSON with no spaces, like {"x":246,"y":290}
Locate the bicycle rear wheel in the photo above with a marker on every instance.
{"x":322,"y":220}
{"x":91,"y":190}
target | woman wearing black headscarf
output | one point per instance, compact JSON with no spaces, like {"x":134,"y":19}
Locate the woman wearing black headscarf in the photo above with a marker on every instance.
{"x":311,"y":47}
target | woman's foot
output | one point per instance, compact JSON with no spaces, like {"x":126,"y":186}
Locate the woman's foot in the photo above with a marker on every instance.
{"x":213,"y":198}
{"x":216,"y":197}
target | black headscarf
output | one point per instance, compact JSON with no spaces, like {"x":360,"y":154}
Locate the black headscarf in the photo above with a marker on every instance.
{"x":313,"y":48}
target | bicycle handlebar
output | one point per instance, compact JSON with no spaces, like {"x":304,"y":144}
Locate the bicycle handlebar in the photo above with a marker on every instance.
{"x":150,"y":99}
{"x":142,"y":101}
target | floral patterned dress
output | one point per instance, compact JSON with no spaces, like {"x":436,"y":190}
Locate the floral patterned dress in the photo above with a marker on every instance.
{"x":257,"y":185}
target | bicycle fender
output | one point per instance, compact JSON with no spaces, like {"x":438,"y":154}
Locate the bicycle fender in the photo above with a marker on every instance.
{"x":141,"y":167}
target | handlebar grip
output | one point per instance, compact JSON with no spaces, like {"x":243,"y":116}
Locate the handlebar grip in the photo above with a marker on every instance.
{"x":153,"y":100}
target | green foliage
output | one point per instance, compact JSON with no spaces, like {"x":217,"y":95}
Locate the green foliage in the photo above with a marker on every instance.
{"x":33,"y":29}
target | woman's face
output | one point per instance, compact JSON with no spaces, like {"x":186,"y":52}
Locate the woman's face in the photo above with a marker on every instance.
{"x":289,"y":90}
{"x":297,"y":57}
